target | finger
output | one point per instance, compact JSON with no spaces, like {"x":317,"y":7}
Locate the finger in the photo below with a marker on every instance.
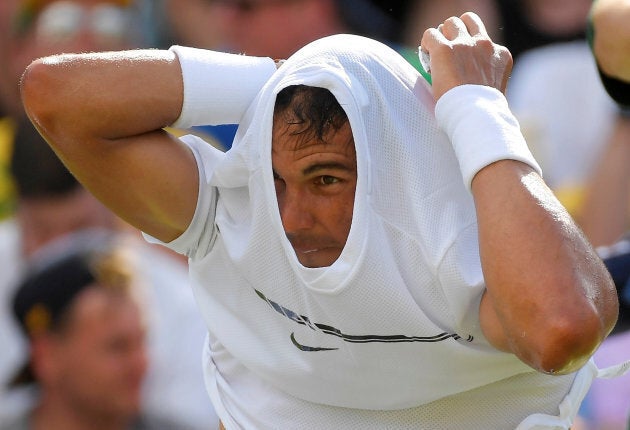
{"x":432,"y":37}
{"x":453,"y":28}
{"x":474,"y":25}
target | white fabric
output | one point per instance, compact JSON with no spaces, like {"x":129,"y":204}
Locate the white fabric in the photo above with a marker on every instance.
{"x":481,"y":129}
{"x":218,"y":86}
{"x":409,"y":273}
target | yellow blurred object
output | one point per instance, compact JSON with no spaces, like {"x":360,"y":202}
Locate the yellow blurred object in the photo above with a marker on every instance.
{"x":7,"y":188}
{"x":572,"y":198}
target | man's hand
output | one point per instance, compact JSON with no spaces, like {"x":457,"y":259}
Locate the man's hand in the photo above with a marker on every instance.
{"x":462,"y":53}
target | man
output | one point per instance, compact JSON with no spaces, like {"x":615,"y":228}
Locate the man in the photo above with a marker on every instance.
{"x":356,"y":269}
{"x":82,"y":313}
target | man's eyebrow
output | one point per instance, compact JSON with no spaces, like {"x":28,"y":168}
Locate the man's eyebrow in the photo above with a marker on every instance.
{"x":314,"y":168}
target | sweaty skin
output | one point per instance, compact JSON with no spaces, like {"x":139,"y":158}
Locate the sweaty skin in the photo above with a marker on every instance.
{"x":315,"y":186}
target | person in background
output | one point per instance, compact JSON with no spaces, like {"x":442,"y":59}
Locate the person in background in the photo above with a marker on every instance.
{"x":425,"y":13}
{"x":81,"y":310}
{"x":52,"y":204}
{"x":529,"y":24}
{"x":610,"y":40}
{"x":608,"y":198}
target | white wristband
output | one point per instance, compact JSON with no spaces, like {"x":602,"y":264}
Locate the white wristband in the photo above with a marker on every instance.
{"x":481,"y":128}
{"x":219,"y":87}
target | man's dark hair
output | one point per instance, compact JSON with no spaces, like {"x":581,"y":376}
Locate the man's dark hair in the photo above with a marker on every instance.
{"x":315,"y":108}
{"x":35,"y":168}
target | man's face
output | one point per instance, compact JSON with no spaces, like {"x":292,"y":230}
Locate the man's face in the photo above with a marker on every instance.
{"x":315,"y":186}
{"x":101,"y":359}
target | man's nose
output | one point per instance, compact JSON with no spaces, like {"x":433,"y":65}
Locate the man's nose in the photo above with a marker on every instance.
{"x":296,"y":211}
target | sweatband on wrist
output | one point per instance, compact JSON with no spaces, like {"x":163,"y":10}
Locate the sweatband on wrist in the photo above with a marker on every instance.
{"x":219,"y":87}
{"x":481,"y":128}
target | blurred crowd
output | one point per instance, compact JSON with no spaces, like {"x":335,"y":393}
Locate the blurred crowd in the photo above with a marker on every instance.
{"x":149,"y":374}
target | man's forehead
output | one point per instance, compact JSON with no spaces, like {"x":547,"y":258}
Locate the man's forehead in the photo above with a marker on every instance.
{"x":297,"y":138}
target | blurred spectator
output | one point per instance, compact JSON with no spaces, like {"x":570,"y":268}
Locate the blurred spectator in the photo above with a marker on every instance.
{"x":520,"y":25}
{"x":278,"y":28}
{"x":423,"y":14}
{"x":610,"y":39}
{"x":52,"y":204}
{"x":606,"y":211}
{"x":81,"y":311}
{"x":528,"y":24}
{"x":44,"y":27}
{"x":607,"y":208}
{"x":191,"y":23}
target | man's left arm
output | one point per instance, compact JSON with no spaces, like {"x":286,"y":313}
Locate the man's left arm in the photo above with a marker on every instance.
{"x":549,"y":299}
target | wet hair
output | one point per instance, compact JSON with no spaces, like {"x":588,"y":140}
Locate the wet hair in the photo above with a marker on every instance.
{"x":316,"y":109}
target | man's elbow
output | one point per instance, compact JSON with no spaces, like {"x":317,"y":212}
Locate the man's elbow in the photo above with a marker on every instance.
{"x":40,"y":97}
{"x":569,"y":343}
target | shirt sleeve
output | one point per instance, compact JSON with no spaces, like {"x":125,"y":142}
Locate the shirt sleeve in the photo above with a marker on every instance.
{"x":200,"y":235}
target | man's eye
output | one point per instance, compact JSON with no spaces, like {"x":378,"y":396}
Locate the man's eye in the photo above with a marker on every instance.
{"x":327,"y":180}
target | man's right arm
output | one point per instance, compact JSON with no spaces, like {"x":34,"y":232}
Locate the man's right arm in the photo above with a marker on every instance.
{"x":103,"y":115}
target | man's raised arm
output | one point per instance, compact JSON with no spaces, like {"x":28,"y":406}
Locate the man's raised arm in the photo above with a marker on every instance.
{"x":104,"y":113}
{"x":549,"y":299}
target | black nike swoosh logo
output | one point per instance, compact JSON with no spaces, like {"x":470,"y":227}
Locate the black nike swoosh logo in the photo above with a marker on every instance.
{"x":308,"y":348}
{"x":332,"y":331}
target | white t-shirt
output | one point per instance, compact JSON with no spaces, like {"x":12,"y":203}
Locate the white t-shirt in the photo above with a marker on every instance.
{"x":388,"y":336}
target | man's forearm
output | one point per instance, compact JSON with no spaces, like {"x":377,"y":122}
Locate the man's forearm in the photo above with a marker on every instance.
{"x":553,"y":299}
